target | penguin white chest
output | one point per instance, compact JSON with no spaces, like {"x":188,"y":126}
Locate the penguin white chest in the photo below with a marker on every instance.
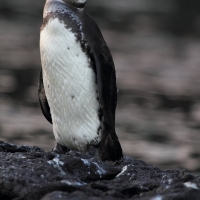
{"x":70,"y":87}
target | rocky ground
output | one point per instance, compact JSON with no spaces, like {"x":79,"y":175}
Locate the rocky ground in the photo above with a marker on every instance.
{"x":158,"y":113}
{"x":30,"y":173}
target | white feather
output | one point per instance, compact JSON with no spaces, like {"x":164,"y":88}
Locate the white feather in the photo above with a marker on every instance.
{"x":70,"y":87}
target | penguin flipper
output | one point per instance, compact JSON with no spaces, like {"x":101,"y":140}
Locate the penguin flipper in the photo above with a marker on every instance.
{"x":109,"y":147}
{"x":106,"y":83}
{"x":60,"y":149}
{"x":43,"y":99}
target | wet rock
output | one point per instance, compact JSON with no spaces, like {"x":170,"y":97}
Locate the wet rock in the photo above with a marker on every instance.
{"x":30,"y":173}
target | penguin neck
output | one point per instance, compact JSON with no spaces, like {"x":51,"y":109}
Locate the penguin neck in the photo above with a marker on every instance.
{"x":56,"y":6}
{"x":52,"y":6}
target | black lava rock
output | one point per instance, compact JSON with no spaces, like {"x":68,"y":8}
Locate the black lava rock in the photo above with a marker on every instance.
{"x":30,"y":173}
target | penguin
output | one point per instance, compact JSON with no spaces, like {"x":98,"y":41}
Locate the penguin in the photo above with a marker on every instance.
{"x":77,"y":83}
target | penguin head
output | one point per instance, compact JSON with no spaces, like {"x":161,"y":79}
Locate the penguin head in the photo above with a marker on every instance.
{"x":77,"y":3}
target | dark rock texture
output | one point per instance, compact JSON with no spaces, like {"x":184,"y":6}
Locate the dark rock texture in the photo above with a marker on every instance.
{"x":30,"y":173}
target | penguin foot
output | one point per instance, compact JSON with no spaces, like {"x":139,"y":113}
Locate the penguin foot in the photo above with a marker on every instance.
{"x":60,"y":149}
{"x":93,"y":151}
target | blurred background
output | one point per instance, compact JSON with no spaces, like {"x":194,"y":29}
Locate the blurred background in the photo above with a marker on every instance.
{"x":156,"y":49}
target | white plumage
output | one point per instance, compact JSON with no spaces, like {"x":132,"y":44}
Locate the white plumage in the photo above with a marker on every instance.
{"x":70,"y":87}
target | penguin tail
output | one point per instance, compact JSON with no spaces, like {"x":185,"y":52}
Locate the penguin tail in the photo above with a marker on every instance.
{"x":110,"y":148}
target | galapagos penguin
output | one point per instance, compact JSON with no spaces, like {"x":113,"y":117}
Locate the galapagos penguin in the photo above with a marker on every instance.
{"x":77,"y":84}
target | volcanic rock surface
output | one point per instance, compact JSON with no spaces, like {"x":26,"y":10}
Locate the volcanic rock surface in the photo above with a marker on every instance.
{"x":30,"y":173}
